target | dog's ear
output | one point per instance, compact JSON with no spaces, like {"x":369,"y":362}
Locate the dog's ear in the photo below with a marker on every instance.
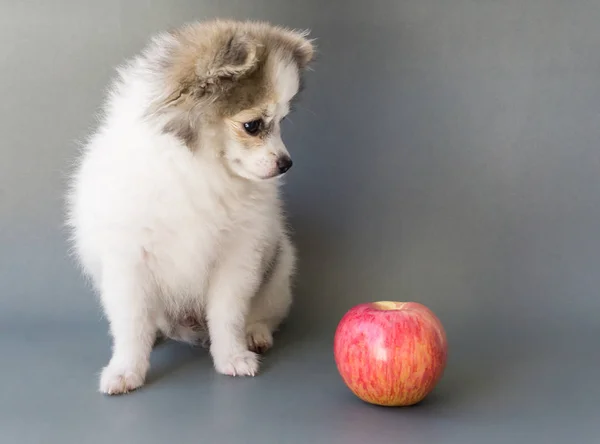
{"x":197,"y":72}
{"x":234,"y":56}
{"x":304,"y":53}
{"x":303,"y":49}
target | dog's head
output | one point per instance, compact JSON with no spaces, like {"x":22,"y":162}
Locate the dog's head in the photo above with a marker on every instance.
{"x":226,"y":86}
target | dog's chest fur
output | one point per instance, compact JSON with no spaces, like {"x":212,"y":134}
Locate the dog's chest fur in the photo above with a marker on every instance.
{"x":203,"y":224}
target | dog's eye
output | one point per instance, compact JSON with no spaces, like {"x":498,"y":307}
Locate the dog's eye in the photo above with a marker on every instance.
{"x":253,"y":127}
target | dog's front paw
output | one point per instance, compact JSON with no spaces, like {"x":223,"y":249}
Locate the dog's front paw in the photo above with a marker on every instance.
{"x":116,"y":380}
{"x":245,"y":363}
{"x":259,"y":338}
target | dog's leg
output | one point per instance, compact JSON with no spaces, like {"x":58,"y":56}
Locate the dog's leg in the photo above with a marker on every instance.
{"x":125,"y":300}
{"x":232,"y":287}
{"x":273,"y":301}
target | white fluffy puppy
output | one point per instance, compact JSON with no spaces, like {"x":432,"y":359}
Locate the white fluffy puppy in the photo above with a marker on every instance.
{"x":174,"y":204}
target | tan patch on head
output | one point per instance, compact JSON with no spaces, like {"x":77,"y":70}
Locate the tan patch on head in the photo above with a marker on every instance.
{"x":226,"y":69}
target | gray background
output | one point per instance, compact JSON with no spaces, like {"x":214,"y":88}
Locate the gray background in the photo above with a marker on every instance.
{"x":445,"y":152}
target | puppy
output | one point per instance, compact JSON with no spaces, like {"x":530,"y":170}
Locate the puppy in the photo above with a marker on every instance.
{"x":174,"y":207}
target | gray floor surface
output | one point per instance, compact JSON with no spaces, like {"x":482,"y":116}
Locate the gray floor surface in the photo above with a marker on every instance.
{"x":533,"y":389}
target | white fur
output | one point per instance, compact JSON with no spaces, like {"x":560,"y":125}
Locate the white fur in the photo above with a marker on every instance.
{"x":163,"y":231}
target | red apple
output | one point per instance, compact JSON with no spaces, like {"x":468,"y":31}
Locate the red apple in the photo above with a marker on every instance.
{"x":390,"y":353}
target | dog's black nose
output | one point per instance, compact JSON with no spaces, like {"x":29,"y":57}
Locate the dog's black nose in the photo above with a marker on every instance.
{"x":284,"y":163}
